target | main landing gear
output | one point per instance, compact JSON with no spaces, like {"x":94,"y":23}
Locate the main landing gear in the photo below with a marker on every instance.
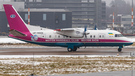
{"x":70,"y":49}
{"x":120,"y":48}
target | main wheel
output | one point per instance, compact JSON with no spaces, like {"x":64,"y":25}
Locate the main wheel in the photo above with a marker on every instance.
{"x":119,"y":49}
{"x":70,"y":49}
{"x":75,"y":49}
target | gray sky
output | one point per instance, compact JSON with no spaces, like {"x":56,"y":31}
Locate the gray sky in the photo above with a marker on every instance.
{"x":108,"y":1}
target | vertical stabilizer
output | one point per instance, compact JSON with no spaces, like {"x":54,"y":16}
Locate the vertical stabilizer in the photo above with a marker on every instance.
{"x":14,"y":19}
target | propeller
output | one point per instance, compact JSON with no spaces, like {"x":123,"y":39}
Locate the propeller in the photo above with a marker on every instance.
{"x":84,"y":33}
{"x":95,"y":28}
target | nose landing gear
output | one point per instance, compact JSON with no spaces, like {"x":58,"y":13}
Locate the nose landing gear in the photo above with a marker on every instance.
{"x":120,"y":48}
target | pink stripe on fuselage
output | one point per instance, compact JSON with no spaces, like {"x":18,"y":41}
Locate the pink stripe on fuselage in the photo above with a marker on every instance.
{"x":28,"y":38}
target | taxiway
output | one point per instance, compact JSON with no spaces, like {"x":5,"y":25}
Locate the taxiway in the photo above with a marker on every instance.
{"x":63,"y":51}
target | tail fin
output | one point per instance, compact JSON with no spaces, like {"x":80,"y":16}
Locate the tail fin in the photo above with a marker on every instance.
{"x":14,"y":19}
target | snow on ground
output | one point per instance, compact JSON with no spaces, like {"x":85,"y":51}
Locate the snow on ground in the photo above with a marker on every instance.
{"x":132,"y":39}
{"x":56,"y":65}
{"x":10,"y":40}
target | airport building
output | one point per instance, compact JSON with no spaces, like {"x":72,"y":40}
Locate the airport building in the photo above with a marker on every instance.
{"x":47,"y":18}
{"x":84,"y":12}
{"x":126,"y":20}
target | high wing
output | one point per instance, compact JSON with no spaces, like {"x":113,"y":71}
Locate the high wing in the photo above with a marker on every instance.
{"x":71,"y":32}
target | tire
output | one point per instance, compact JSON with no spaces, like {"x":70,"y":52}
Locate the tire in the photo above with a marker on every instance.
{"x":70,"y":49}
{"x":75,"y":49}
{"x":119,"y":49}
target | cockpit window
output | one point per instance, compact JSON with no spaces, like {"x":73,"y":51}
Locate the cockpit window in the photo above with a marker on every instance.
{"x":118,"y":35}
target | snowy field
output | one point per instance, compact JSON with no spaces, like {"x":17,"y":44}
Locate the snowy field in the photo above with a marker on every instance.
{"x":9,"y":40}
{"x":56,"y":65}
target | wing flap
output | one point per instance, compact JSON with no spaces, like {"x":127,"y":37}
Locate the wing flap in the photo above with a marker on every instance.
{"x":16,"y":33}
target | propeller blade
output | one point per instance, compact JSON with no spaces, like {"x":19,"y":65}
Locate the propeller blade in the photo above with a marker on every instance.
{"x":95,"y":27}
{"x":84,"y":34}
{"x":85,"y":29}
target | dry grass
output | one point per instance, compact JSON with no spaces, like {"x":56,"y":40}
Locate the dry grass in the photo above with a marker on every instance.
{"x":62,"y":65}
{"x":133,"y":44}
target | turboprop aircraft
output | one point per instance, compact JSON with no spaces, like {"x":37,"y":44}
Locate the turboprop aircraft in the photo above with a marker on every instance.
{"x":72,"y":38}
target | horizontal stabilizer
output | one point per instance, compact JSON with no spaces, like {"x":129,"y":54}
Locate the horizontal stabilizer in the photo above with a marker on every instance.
{"x":16,"y":33}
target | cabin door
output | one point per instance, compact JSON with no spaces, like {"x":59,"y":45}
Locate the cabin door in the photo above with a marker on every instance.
{"x":44,"y":35}
{"x":101,"y":37}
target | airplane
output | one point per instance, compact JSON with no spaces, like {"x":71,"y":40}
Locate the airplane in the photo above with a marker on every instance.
{"x":71,"y":38}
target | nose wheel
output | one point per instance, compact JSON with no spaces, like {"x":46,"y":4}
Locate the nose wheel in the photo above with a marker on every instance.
{"x":119,"y":49}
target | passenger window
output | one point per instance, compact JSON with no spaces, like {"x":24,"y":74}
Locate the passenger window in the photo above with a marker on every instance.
{"x":66,"y":36}
{"x":90,"y":36}
{"x":50,"y":36}
{"x":94,"y":36}
{"x":34,"y":32}
{"x":100,"y":36}
{"x":58,"y":36}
